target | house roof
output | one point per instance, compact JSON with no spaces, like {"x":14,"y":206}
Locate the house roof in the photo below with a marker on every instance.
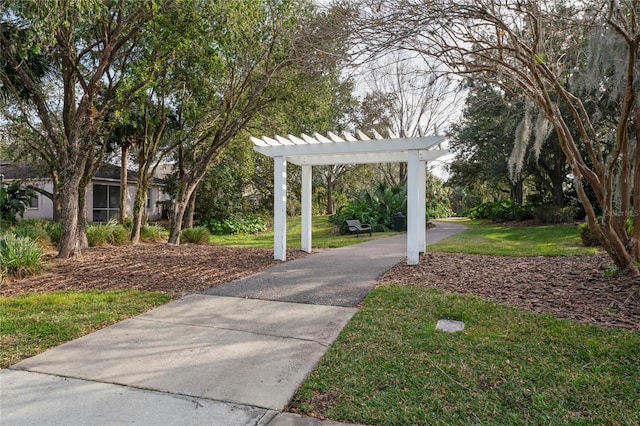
{"x":25,"y":170}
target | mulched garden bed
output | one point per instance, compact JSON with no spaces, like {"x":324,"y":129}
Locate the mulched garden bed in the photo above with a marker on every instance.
{"x":573,"y":287}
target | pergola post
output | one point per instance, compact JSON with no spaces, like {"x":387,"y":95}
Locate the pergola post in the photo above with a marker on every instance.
{"x":279,"y":208}
{"x":413,"y":209}
{"x":306,"y":209}
{"x":422,"y":180}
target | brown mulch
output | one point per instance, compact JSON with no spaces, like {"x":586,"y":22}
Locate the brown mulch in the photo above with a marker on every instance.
{"x":567,"y":287}
{"x":176,"y":270}
{"x":571,"y":287}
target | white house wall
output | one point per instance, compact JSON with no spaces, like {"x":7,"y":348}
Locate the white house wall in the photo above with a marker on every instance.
{"x":45,"y":205}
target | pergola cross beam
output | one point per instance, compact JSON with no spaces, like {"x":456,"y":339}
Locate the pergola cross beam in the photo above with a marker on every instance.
{"x":308,"y":151}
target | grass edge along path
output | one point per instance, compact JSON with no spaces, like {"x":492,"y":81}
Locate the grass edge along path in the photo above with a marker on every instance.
{"x":322,"y":236}
{"x":496,"y":239}
{"x":389,"y":366}
{"x":34,"y":322}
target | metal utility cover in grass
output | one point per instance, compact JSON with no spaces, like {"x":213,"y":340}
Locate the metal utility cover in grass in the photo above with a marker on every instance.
{"x":316,"y":150}
{"x":450,"y":326}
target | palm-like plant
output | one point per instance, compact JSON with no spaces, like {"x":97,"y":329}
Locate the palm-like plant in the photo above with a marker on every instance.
{"x":36,"y":63}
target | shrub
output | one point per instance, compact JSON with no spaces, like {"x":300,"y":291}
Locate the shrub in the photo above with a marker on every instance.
{"x":197,"y":235}
{"x":36,"y":234}
{"x":500,"y":211}
{"x":587,"y":236}
{"x":110,"y":233}
{"x":19,"y":256}
{"x":13,"y":200}
{"x":54,"y":230}
{"x":376,"y":208}
{"x":242,"y":225}
{"x":554,"y":214}
{"x":152,"y":233}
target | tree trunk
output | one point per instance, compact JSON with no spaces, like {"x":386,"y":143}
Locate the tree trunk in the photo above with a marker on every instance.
{"x":55,"y":197}
{"x":124,"y":160}
{"x":516,"y":192}
{"x":83,"y":240}
{"x":187,"y":220}
{"x":329,"y":195}
{"x":179,"y":209}
{"x":402,"y":174}
{"x":139,"y":207}
{"x":69,"y":241}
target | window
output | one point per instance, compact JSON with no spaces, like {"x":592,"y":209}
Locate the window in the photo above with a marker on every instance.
{"x":34,"y":202}
{"x":149,"y":195}
{"x":106,"y":202}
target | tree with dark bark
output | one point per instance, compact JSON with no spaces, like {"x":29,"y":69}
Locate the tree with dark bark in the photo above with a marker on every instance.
{"x":231,"y":73}
{"x":487,"y":150}
{"x":541,"y":50}
{"x":92,"y":46}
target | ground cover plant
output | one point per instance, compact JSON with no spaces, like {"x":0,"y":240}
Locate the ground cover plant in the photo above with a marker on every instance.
{"x":19,"y":256}
{"x":33,"y":322}
{"x":391,"y":367}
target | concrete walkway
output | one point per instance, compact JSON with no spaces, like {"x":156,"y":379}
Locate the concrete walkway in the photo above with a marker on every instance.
{"x":234,"y":355}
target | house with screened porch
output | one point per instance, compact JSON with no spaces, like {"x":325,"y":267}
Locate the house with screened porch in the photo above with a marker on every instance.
{"x":103,"y":194}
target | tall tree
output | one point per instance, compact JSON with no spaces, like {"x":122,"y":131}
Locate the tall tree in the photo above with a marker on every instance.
{"x":232,"y":66}
{"x":536,"y":49}
{"x":92,"y":44}
{"x":247,"y":56}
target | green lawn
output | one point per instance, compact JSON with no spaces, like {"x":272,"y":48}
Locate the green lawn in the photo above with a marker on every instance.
{"x":321,"y":236}
{"x":502,"y":240}
{"x":508,"y":367}
{"x":34,"y":322}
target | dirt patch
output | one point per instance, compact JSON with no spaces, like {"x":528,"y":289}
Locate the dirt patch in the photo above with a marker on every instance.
{"x":176,"y":270}
{"x":571,"y":287}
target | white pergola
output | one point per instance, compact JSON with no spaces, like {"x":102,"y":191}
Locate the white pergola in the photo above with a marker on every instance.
{"x":308,"y":151}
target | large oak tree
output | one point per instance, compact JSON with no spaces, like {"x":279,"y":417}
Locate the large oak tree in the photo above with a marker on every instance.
{"x":92,"y":46}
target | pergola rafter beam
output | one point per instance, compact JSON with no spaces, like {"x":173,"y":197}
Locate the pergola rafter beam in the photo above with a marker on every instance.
{"x":365,"y":158}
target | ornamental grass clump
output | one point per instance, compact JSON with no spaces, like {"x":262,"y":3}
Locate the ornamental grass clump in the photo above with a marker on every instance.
{"x":20,"y":257}
{"x":152,"y":233}
{"x":37,"y":234}
{"x":197,"y":235}
{"x":110,"y":233}
{"x":118,"y":234}
{"x":97,"y":235}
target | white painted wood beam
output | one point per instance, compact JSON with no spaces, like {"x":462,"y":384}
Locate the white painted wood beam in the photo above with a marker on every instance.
{"x":279,"y":208}
{"x":327,"y":147}
{"x":362,"y":158}
{"x":306,"y":209}
{"x":422,"y":180}
{"x":413,"y":210}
